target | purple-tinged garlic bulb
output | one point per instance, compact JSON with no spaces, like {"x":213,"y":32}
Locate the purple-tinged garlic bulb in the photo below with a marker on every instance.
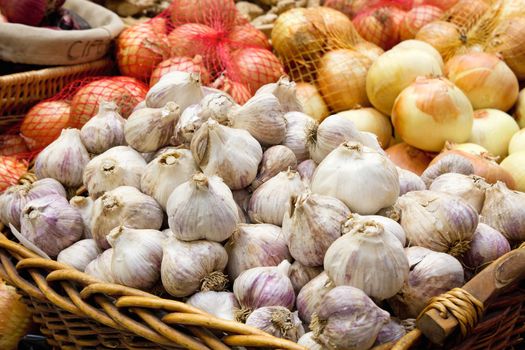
{"x":390,"y":225}
{"x":390,"y":332}
{"x":275,"y":159}
{"x":218,"y":304}
{"x":308,"y":342}
{"x":85,"y":206}
{"x":297,"y":125}
{"x":409,"y":181}
{"x":469,"y":187}
{"x":486,"y":246}
{"x":105,"y":130}
{"x":301,"y":275}
{"x":311,"y":295}
{"x":80,"y":254}
{"x":100,"y":267}
{"x":307,"y":169}
{"x":277,"y":321}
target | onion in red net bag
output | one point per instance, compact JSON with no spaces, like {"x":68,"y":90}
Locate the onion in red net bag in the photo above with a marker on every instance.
{"x":416,"y":18}
{"x":380,"y":25}
{"x":220,"y":14}
{"x":11,"y":144}
{"x":238,"y":91}
{"x":242,"y":34}
{"x":11,"y":168}
{"x":184,"y":64}
{"x":192,"y":39}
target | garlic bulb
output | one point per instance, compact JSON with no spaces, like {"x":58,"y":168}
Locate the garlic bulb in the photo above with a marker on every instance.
{"x":437,"y":221}
{"x":286,"y":93}
{"x":307,"y":169}
{"x":149,"y":129}
{"x":137,"y":255}
{"x":469,"y":187}
{"x":277,"y":321}
{"x":104,"y":130}
{"x":431,"y":274}
{"x":232,"y":154}
{"x":301,"y":275}
{"x":85,"y":206}
{"x":297,"y":125}
{"x":64,"y":159}
{"x":311,"y":223}
{"x":275,"y":159}
{"x":409,"y":181}
{"x":504,"y":211}
{"x":308,"y":342}
{"x":218,"y":304}
{"x":486,"y":246}
{"x":202,"y":208}
{"x":183,"y":88}
{"x":216,"y":106}
{"x":451,"y":163}
{"x":366,"y":246}
{"x":263,"y":117}
{"x":118,"y":166}
{"x":389,"y":225}
{"x":14,"y":198}
{"x":163,"y":174}
{"x":264,"y":286}
{"x":51,"y":223}
{"x":124,"y":206}
{"x":334,"y":130}
{"x":364,"y":179}
{"x":348,"y":319}
{"x":311,"y":295}
{"x":242,"y":198}
{"x":255,"y":246}
{"x":268,"y":202}
{"x":100,"y":267}
{"x":390,"y":332}
{"x":189,"y":122}
{"x":191,"y":266}
{"x":80,"y":254}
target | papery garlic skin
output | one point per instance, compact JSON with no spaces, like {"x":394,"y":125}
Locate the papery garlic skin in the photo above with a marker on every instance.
{"x":137,"y":255}
{"x":362,"y":178}
{"x":242,"y":198}
{"x":409,"y":181}
{"x":14,"y":198}
{"x":307,"y":169}
{"x":365,"y":246}
{"x":297,"y":126}
{"x":64,"y":159}
{"x":189,"y":122}
{"x":431,"y":274}
{"x":218,"y":304}
{"x":183,"y":88}
{"x":85,"y":206}
{"x":486,"y":246}
{"x":149,"y":129}
{"x":300,"y":275}
{"x":163,"y":174}
{"x":126,"y":206}
{"x":348,"y":320}
{"x":311,"y":223}
{"x":308,"y":342}
{"x":118,"y":166}
{"x":80,"y":254}
{"x":275,"y":159}
{"x":190,"y":266}
{"x":232,"y":154}
{"x":100,"y":267}
{"x":469,"y":187}
{"x":104,"y":130}
{"x":390,"y":226}
{"x":255,"y":246}
{"x":286,"y":93}
{"x":51,"y":223}
{"x":277,"y":321}
{"x":263,"y":117}
{"x":269,"y":201}
{"x":390,"y":332}
{"x":311,"y":295}
{"x":202,"y":208}
{"x":217,"y":106}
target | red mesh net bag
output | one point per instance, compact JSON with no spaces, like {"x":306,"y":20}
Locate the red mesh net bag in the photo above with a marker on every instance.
{"x":205,"y":36}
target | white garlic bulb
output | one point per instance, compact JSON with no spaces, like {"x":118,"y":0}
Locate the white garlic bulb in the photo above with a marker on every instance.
{"x":364,"y":179}
{"x":218,"y":304}
{"x":64,"y":159}
{"x":390,"y":226}
{"x":254,"y":246}
{"x":51,"y":223}
{"x":80,"y":254}
{"x":311,"y":223}
{"x":100,"y":267}
{"x":469,"y":187}
{"x":137,"y":255}
{"x":149,"y":129}
{"x":409,"y":181}
{"x":118,"y":166}
{"x":202,"y":208}
{"x":163,"y":174}
{"x":189,"y":122}
{"x":311,"y":295}
{"x":191,"y":266}
{"x":347,"y":319}
{"x":365,"y":246}
{"x":275,"y":159}
{"x":183,"y":88}
{"x":263,"y":117}
{"x":85,"y":207}
{"x":307,"y":169}
{"x":285,"y":91}
{"x":217,"y":106}
{"x":277,"y":321}
{"x":269,"y":201}
{"x":126,"y":206}
{"x":308,"y":342}
{"x":104,"y":130}
{"x":297,"y":126}
{"x":232,"y":154}
{"x":301,"y":275}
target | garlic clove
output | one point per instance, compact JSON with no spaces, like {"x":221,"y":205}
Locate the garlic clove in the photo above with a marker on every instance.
{"x":277,"y":321}
{"x":183,"y":88}
{"x":218,"y":304}
{"x":275,"y":159}
{"x":307,"y":169}
{"x":469,"y":187}
{"x":85,"y":206}
{"x":311,"y":295}
{"x":80,"y":254}
{"x":104,"y":130}
{"x":301,"y":275}
{"x":100,"y":267}
{"x":297,"y":125}
{"x":409,"y":181}
{"x":285,"y":91}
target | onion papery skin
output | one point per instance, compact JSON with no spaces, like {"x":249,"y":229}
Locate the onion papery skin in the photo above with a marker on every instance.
{"x":409,"y":158}
{"x":380,"y":25}
{"x":416,"y":18}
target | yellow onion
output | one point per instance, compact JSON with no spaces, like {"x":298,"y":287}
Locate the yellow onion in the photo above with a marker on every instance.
{"x":409,"y":158}
{"x":369,"y":50}
{"x":443,"y":36}
{"x":515,"y":165}
{"x":486,"y":80}
{"x":430,"y":112}
{"x":519,"y":112}
{"x":395,"y":70}
{"x":371,"y":120}
{"x":184,"y":64}
{"x":416,"y":18}
{"x":312,"y":101}
{"x":493,"y":130}
{"x":423,"y":46}
{"x":468,"y":147}
{"x":255,"y":67}
{"x":15,"y":317}
{"x":465,"y":13}
{"x":336,"y":28}
{"x":342,"y":79}
{"x":246,"y":34}
{"x":507,"y":40}
{"x":380,"y":25}
{"x":517,"y":142}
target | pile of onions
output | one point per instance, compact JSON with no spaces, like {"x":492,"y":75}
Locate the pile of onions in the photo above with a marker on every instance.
{"x":515,"y":165}
{"x":44,"y":123}
{"x":486,"y":80}
{"x":184,"y":64}
{"x":517,"y":142}
{"x":380,"y":26}
{"x":371,"y":120}
{"x":193,"y":39}
{"x":493,"y":130}
{"x":409,"y":158}
{"x":255,"y":67}
{"x":416,"y":18}
{"x":11,"y":168}
{"x":312,"y":101}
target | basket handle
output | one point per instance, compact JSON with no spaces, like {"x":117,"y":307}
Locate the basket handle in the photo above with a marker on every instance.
{"x":506,"y":270}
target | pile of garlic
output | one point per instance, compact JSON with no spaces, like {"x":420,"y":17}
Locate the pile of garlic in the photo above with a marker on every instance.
{"x":260,"y":214}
